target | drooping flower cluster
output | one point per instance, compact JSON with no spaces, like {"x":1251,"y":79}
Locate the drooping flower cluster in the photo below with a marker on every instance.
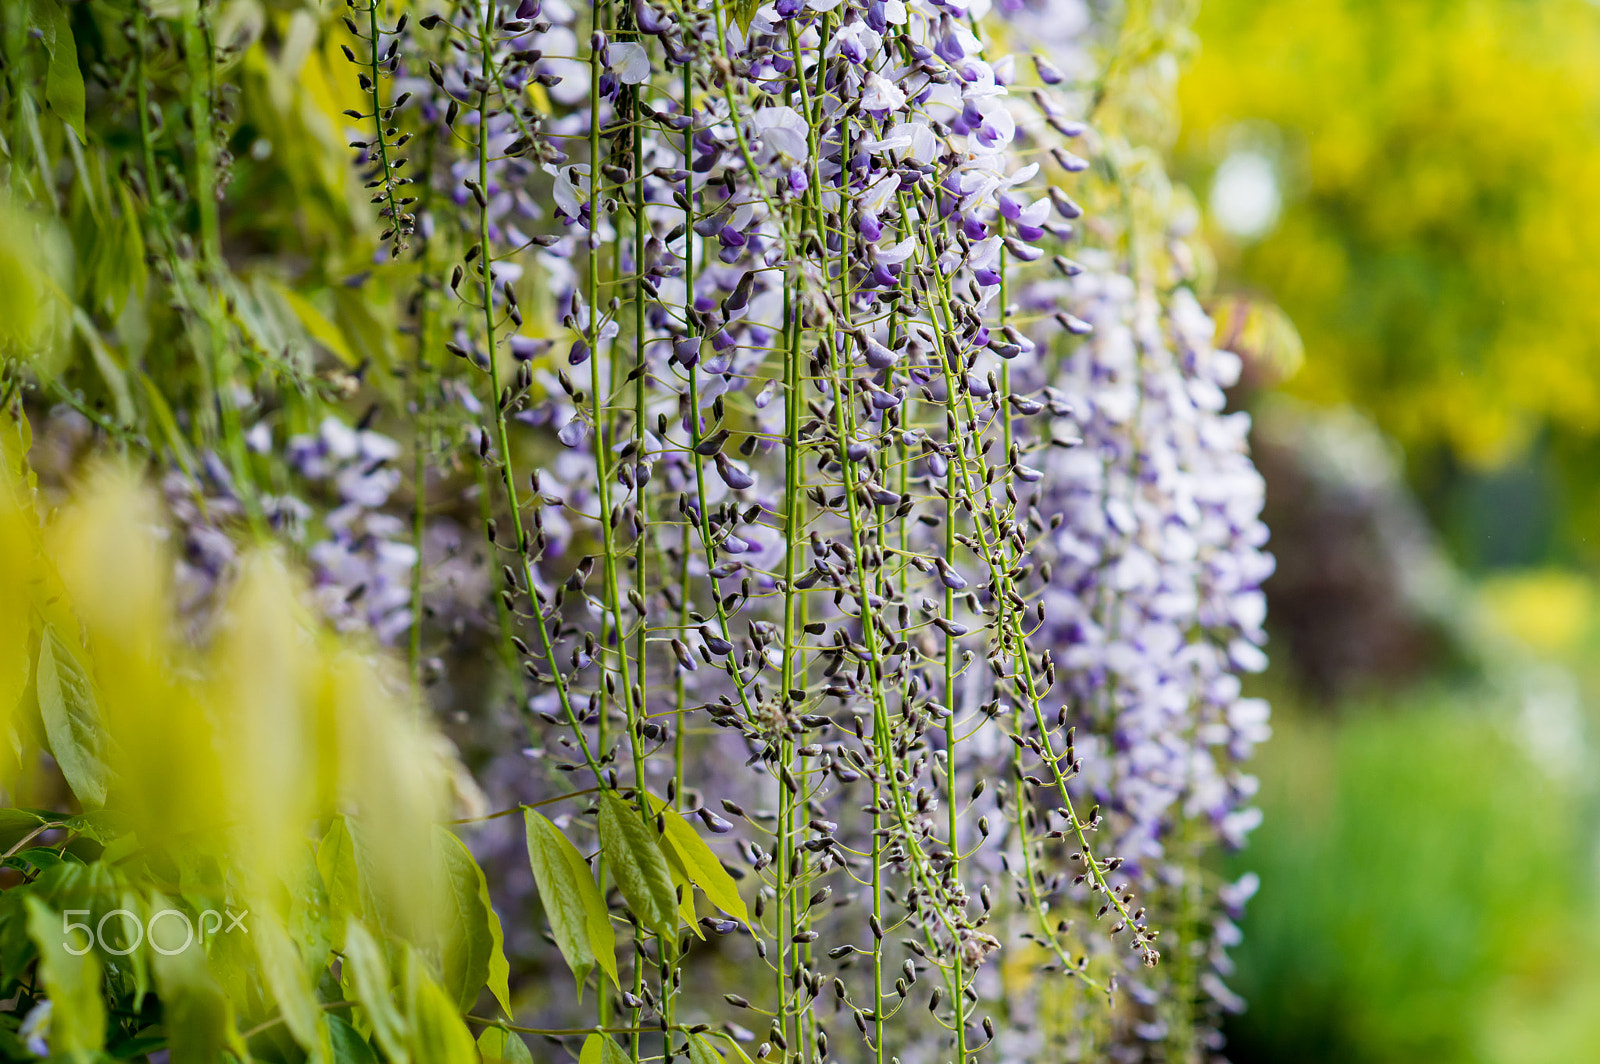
{"x":847,"y":491}
{"x":798,"y":421}
{"x":363,"y":565}
{"x":1157,"y":604}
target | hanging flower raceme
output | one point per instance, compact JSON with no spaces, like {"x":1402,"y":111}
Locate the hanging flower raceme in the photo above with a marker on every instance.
{"x":791,"y":488}
{"x":868,"y":571}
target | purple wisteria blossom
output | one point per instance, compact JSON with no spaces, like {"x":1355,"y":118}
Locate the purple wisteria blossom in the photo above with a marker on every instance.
{"x":834,"y":483}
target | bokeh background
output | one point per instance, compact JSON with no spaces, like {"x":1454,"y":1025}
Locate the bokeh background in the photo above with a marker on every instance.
{"x":1399,"y":197}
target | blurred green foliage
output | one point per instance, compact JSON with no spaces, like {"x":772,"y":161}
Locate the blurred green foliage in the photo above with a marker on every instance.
{"x":1435,"y":159}
{"x":1426,"y":894}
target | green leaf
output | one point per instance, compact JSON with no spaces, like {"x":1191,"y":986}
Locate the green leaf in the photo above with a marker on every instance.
{"x":138,"y":962}
{"x":471,"y":933}
{"x":500,"y":1046}
{"x":683,"y":886}
{"x":23,"y":314}
{"x":382,"y":910}
{"x":78,"y":1024}
{"x":744,"y":12}
{"x":159,"y":409}
{"x":499,"y":980}
{"x":199,"y":1019}
{"x":699,"y":862}
{"x":601,"y":1049}
{"x":348,"y":1045}
{"x":367,"y":972}
{"x":307,"y":921}
{"x":336,"y":861}
{"x":71,"y":720}
{"x":285,"y":978}
{"x":197,"y":1014}
{"x":438,"y":1034}
{"x":572,"y":901}
{"x":63,"y":89}
{"x":733,"y":1044}
{"x":635,"y":859}
{"x":118,"y":849}
{"x":16,"y":948}
{"x":701,"y":1051}
{"x":106,"y":361}
{"x":15,"y":824}
{"x":87,"y":890}
{"x":38,"y":857}
{"x":317,"y":325}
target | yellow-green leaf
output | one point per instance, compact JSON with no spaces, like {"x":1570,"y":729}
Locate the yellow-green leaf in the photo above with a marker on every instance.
{"x":572,"y":901}
{"x":438,"y":1034}
{"x":336,"y":861}
{"x":285,"y":977}
{"x":198,"y":1016}
{"x":733,"y":1044}
{"x":701,"y":1051}
{"x":744,"y":12}
{"x":71,"y":720}
{"x":474,"y":946}
{"x":464,"y":925}
{"x":601,"y":1049}
{"x":307,"y":918}
{"x":367,"y":973}
{"x":318,"y":326}
{"x":63,"y":88}
{"x":499,"y":981}
{"x":24,"y":313}
{"x":699,"y":862}
{"x":78,"y":1022}
{"x":168,"y":422}
{"x":14,"y":664}
{"x":500,"y":1046}
{"x":684,"y":886}
{"x":106,"y":361}
{"x":635,"y":859}
{"x":137,"y":961}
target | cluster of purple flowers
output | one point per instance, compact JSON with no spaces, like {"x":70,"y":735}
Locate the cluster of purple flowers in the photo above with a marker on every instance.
{"x":808,"y":477}
{"x":363,"y":566}
{"x":811,"y":451}
{"x":360,"y":553}
{"x":1156,"y":603}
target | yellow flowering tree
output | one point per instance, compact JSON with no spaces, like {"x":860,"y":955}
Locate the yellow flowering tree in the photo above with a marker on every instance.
{"x":1435,"y":243}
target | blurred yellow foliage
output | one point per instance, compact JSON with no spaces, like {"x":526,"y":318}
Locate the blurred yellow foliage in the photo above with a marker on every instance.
{"x":1436,"y":244}
{"x":236,"y":748}
{"x":1547,"y":610}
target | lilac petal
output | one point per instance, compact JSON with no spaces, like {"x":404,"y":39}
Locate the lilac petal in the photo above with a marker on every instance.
{"x":732,"y":475}
{"x":686,"y":351}
{"x":877,"y":356}
{"x":573,"y":432}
